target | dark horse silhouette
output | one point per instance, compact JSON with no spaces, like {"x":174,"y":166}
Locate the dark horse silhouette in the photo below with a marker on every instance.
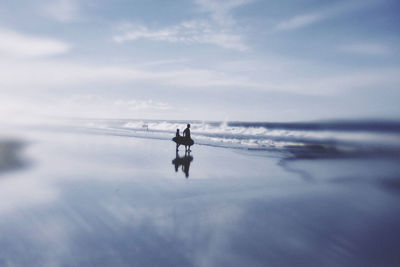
{"x":184,"y":162}
{"x":185,"y":140}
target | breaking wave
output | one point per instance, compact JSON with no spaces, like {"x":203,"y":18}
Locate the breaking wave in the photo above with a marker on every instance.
{"x":344,"y":135}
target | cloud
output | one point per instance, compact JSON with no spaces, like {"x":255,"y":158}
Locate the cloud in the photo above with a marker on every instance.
{"x":89,"y":104}
{"x":36,"y":86}
{"x":85,"y":104}
{"x":221,"y":10}
{"x":61,"y":10}
{"x":17,"y":44}
{"x":189,"y":32}
{"x":298,"y":22}
{"x":345,"y":83}
{"x":164,"y":62}
{"x":135,"y":104}
{"x":142,"y":32}
{"x":60,"y":75}
{"x":372,"y":49}
{"x":335,"y":9}
{"x":219,"y":29}
{"x":44,"y":74}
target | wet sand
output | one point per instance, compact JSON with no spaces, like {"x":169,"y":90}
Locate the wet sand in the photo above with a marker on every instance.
{"x":96,"y":200}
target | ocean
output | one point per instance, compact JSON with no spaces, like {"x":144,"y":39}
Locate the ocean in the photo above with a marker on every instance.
{"x":336,"y":137}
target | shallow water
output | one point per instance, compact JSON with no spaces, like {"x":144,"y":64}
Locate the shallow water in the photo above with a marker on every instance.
{"x":78,"y":199}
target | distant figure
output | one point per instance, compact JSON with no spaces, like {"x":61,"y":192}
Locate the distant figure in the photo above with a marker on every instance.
{"x":185,"y":140}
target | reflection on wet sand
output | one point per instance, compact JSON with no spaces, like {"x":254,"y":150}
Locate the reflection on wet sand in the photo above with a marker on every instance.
{"x":10,"y":158}
{"x":242,"y":210}
{"x":331,"y":153}
{"x":183,"y":161}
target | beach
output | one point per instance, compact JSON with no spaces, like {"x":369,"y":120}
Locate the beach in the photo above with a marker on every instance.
{"x":78,"y":198}
{"x":289,"y":111}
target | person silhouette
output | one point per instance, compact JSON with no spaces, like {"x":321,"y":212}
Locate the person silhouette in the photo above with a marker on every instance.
{"x":186,"y":132}
{"x":188,"y":142}
{"x":185,"y":140}
{"x":177,"y":139}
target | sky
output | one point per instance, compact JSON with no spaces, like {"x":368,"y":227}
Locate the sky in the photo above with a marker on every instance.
{"x":248,"y":60}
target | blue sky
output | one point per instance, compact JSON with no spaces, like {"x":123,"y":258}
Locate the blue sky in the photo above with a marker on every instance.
{"x":202,"y":59}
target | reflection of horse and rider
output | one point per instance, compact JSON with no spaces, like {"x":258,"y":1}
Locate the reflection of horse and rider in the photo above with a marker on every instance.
{"x":185,"y":140}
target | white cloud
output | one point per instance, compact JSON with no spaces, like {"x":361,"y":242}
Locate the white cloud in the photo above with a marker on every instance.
{"x":135,"y":104}
{"x":141,"y":32}
{"x":45,"y":86}
{"x":221,"y":10}
{"x":344,"y":83}
{"x":373,"y":49}
{"x":34,"y":76}
{"x":45,"y":74}
{"x":298,"y":22}
{"x":17,"y":44}
{"x":111,"y":106}
{"x":61,"y":10}
{"x":332,"y":10}
{"x":189,"y":32}
{"x":219,"y":29}
{"x":86,"y":104}
{"x":225,"y":40}
{"x":164,"y":62}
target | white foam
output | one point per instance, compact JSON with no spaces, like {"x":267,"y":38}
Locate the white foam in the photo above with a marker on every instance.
{"x":245,"y":137}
